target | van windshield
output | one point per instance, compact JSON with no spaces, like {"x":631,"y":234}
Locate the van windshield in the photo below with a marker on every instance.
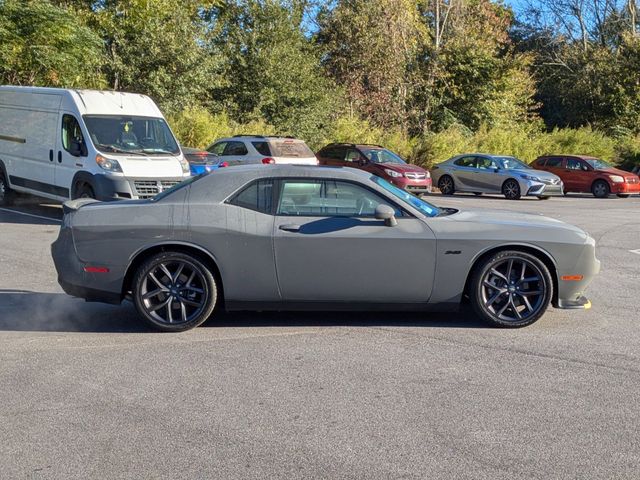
{"x":129,"y":134}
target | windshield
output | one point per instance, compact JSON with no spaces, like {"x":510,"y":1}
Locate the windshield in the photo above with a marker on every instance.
{"x":127,"y":134}
{"x":512,"y":163}
{"x":598,"y":164}
{"x":426,"y":208}
{"x":381,"y":155}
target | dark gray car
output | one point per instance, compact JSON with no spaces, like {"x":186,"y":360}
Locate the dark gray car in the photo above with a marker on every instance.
{"x":296,"y":237}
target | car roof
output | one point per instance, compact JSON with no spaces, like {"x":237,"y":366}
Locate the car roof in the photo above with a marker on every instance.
{"x":353,"y":145}
{"x":258,"y":137}
{"x":582,"y":157}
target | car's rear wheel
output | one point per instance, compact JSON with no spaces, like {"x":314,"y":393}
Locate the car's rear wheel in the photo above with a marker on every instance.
{"x":477,"y":194}
{"x":511,"y":189}
{"x":174,"y":291}
{"x":511,"y":289}
{"x":544,"y":197}
{"x":6,"y":195}
{"x":446,"y":185}
{"x":600,"y":189}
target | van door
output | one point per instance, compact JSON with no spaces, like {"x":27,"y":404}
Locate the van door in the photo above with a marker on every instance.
{"x":71,"y":153}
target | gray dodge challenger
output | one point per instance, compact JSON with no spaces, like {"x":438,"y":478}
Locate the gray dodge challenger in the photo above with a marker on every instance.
{"x":261,"y":237}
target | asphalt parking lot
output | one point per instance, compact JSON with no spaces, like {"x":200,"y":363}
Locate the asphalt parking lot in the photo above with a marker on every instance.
{"x":86,"y":391}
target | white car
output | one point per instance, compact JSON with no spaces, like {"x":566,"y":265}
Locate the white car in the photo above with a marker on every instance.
{"x":64,"y":144}
{"x":247,"y":149}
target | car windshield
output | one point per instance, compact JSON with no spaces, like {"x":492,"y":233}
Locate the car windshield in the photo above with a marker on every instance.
{"x":597,"y":164}
{"x":512,"y":163}
{"x":381,"y":155}
{"x":426,"y":208}
{"x":131,"y":135}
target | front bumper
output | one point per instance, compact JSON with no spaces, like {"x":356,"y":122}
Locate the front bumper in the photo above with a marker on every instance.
{"x":412,"y":185}
{"x":625,"y":188}
{"x":539,"y":189}
{"x":574,"y":278}
{"x":579,"y":303}
{"x":112,"y":187}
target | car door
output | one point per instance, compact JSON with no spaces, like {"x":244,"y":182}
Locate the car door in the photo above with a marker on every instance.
{"x":71,"y":153}
{"x":235,"y":153}
{"x":330,"y":248}
{"x":464,"y":171}
{"x":577,"y":175}
{"x":487,"y":177}
{"x":334,"y":156}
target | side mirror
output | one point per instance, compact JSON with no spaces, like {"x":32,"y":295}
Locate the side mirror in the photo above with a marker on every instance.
{"x":496,"y":169}
{"x":75,"y":148}
{"x":386,"y":213}
{"x":362,"y":161}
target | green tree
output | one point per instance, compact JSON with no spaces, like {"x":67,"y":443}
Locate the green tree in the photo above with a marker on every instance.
{"x":44,"y":44}
{"x":271,"y":67}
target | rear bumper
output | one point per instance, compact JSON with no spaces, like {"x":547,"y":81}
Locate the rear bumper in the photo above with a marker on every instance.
{"x":75,"y":281}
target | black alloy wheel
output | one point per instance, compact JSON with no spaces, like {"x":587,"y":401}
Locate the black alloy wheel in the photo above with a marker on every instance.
{"x":600,"y":189}
{"x":511,"y":289}
{"x":174,"y":291}
{"x":511,"y":190}
{"x":446,"y":186}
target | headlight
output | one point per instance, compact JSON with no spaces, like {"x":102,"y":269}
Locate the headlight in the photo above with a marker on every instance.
{"x":616,"y":178}
{"x":108,"y":164}
{"x":392,"y":173}
{"x":530,"y":177}
{"x":185,"y":166}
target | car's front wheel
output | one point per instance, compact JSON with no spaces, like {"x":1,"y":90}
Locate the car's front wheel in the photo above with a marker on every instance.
{"x":511,"y":289}
{"x":446,"y":186}
{"x":511,"y":190}
{"x":174,"y":291}
{"x":623,"y":195}
{"x":600,"y":189}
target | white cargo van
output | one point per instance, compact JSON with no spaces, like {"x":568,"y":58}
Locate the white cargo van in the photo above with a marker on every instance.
{"x":63,"y":144}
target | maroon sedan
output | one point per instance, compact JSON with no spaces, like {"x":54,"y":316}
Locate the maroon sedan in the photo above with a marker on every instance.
{"x":379,"y":161}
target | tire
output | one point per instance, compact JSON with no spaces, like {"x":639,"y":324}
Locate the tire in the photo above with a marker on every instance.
{"x":600,"y":189}
{"x":511,"y":190}
{"x":505,"y":294}
{"x":623,"y":195}
{"x":6,"y":194}
{"x":446,"y":185}
{"x":544,"y":197}
{"x":172,"y":279}
{"x":477,"y":194}
{"x":85,"y":191}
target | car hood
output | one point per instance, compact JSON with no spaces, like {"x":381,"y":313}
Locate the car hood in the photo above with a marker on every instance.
{"x":616,"y":171}
{"x":541,"y":174}
{"x":505,"y":220}
{"x":401,"y":167}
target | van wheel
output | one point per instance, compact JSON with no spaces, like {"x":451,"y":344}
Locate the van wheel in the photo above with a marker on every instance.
{"x":6,"y":195}
{"x":85,"y":191}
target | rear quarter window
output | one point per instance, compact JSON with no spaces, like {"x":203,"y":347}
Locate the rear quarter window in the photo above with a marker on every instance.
{"x":290,"y":148}
{"x":257,"y":196}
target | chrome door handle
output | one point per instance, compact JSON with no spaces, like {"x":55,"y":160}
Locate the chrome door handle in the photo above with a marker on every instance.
{"x":290,"y":228}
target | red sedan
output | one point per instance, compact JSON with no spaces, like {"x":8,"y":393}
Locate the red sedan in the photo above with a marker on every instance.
{"x":379,"y":161}
{"x":588,"y":174}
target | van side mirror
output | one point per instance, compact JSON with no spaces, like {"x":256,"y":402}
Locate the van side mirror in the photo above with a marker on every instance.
{"x":77,"y":148}
{"x":386,"y":213}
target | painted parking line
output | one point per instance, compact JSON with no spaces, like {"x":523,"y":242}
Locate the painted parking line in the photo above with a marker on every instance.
{"x":637,"y":252}
{"x":29,"y":215}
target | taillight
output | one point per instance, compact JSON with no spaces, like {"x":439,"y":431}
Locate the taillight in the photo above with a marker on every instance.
{"x":224,"y":164}
{"x":268,"y":161}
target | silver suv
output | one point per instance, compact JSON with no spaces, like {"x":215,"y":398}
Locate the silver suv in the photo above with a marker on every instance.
{"x":247,"y":149}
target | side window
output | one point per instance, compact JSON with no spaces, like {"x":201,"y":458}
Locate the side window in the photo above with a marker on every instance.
{"x":328,"y":198}
{"x":235,"y":148}
{"x":554,"y":162}
{"x":72,"y":139}
{"x":574,"y":164}
{"x":257,"y":196}
{"x":466,"y":162}
{"x":485,"y":163}
{"x":352,"y":156}
{"x":217,"y":148}
{"x":262,"y":148}
{"x":334,"y":153}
